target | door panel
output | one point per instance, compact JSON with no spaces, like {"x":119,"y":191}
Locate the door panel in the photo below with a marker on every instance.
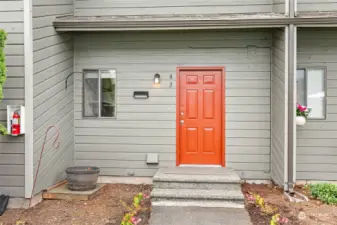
{"x":192,"y":104}
{"x":208,"y":141}
{"x":191,"y":140}
{"x":208,"y":106}
{"x":200,"y":115}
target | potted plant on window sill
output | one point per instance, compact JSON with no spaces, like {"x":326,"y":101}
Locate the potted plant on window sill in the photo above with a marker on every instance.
{"x":302,"y":113}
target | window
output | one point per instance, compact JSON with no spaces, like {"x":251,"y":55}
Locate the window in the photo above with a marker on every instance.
{"x":99,"y":97}
{"x":311,"y":90}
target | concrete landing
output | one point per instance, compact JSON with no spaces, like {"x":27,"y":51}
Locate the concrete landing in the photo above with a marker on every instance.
{"x":198,"y":216}
{"x":197,"y":174}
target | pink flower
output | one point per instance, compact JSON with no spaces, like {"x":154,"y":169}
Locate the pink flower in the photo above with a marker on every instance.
{"x":250,"y":197}
{"x":301,"y":108}
{"x":135,"y":220}
{"x":283,"y":220}
{"x":146,"y":196}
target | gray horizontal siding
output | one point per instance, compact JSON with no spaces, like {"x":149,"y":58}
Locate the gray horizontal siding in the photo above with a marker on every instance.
{"x":119,"y":146}
{"x":155,"y":7}
{"x":316,"y":141}
{"x":316,"y":5}
{"x":53,"y":104}
{"x":12,"y":148}
{"x":278,"y":106}
{"x":279,"y":6}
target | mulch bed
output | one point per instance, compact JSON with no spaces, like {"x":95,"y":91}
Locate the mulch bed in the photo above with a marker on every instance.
{"x":313,"y":212}
{"x":105,"y":209}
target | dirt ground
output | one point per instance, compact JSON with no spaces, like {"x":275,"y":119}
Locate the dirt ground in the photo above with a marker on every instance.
{"x":313,"y":212}
{"x":105,"y":209}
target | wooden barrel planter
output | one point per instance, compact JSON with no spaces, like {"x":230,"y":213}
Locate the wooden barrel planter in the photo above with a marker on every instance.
{"x":82,"y":178}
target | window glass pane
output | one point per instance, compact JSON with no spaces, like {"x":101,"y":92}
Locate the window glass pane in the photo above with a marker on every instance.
{"x":300,"y":82}
{"x":316,"y":93}
{"x":90,"y":98}
{"x":108,"y":93}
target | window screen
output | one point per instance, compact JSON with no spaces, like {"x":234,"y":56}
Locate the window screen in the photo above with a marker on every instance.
{"x":316,"y":93}
{"x":90,"y":97}
{"x":311,"y":91}
{"x":99,"y":97}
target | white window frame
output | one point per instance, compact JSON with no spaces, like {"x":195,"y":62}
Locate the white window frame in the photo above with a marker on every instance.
{"x":305,"y":69}
{"x":99,"y":95}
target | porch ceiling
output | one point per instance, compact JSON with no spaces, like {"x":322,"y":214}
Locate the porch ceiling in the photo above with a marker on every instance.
{"x":180,"y":22}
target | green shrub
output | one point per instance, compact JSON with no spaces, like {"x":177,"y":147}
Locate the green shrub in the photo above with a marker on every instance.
{"x":327,"y":193}
{"x":3,"y":37}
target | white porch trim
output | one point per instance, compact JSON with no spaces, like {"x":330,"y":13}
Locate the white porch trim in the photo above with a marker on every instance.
{"x":29,"y":135}
{"x":286,"y":74}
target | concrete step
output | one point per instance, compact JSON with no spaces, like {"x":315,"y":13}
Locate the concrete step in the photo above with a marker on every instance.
{"x":199,"y":203}
{"x":195,"y":197}
{"x":197,"y":175}
{"x":199,"y":187}
{"x":196,"y":185}
{"x":198,"y":216}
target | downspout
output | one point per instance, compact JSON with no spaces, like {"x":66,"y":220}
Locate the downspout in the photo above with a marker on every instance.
{"x":28,"y":64}
{"x":286,"y":97}
{"x":292,"y":49}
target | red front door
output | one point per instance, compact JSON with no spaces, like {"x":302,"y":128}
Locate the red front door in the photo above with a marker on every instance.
{"x":200,"y":115}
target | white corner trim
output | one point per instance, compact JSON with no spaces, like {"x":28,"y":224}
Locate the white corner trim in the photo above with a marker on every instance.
{"x":294,"y":113}
{"x":28,"y":56}
{"x":286,"y":97}
{"x":286,"y":5}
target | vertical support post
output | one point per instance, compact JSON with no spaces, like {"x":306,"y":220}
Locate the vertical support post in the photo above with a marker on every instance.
{"x":292,"y":8}
{"x":29,"y":135}
{"x":292,"y":67}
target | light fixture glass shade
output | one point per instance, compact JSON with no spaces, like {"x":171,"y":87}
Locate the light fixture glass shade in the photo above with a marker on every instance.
{"x":156,"y":79}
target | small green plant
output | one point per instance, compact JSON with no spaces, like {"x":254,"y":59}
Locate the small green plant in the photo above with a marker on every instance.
{"x":325,"y":192}
{"x":267,"y":209}
{"x":3,"y":37}
{"x":131,"y":216}
{"x":278,"y":220}
{"x":260,"y":202}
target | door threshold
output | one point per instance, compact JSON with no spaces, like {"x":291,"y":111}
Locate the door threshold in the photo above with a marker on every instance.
{"x":196,"y":165}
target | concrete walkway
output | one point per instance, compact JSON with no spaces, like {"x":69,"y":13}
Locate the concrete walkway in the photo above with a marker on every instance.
{"x":198,"y":216}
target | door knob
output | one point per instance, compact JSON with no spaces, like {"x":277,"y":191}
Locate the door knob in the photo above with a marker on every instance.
{"x":182,"y":122}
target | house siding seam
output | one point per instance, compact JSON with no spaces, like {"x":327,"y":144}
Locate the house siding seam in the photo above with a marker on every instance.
{"x":278,"y":122}
{"x":53,"y":103}
{"x":316,"y":141}
{"x":12,"y":157}
{"x":279,"y":6}
{"x":119,"y":146}
{"x":155,"y":7}
{"x":316,"y":5}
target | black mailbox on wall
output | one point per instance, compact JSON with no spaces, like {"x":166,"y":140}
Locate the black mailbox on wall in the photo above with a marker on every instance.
{"x":141,"y":94}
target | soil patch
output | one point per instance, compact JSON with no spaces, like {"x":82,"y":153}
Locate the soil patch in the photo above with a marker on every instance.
{"x":105,"y":209}
{"x":313,"y":212}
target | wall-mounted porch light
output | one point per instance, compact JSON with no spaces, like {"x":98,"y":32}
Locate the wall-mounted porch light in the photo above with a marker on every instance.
{"x":156,"y":79}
